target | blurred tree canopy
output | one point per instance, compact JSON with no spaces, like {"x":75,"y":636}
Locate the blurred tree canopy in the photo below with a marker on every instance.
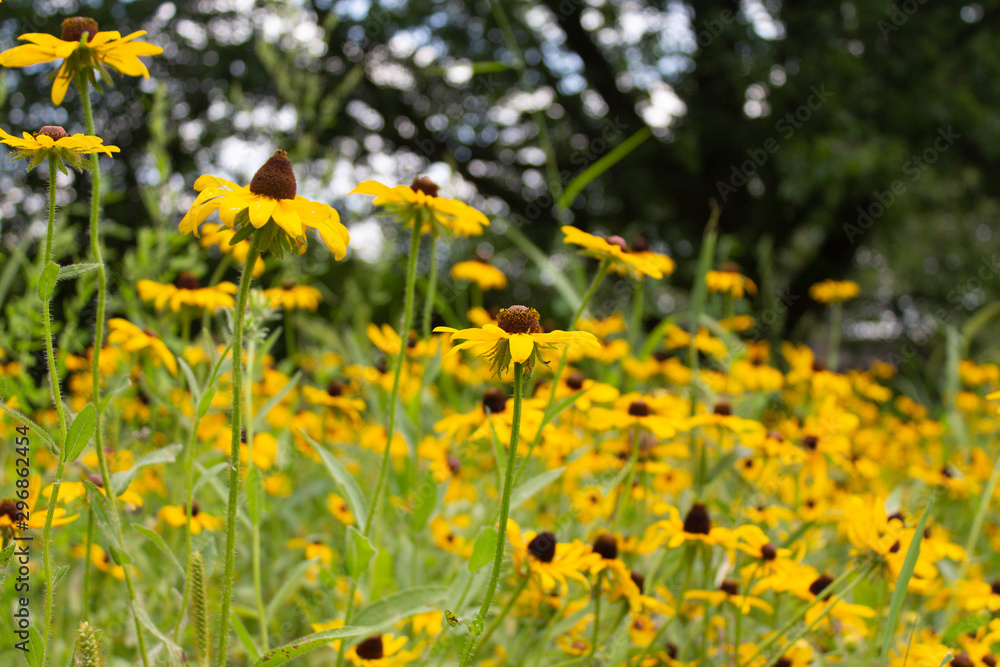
{"x":847,"y":139}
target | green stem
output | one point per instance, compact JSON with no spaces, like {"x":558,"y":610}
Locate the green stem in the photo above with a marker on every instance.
{"x":597,"y":619}
{"x":508,"y":488}
{"x":633,"y":460}
{"x":411,"y":280}
{"x":234,"y":455}
{"x":833,"y":353}
{"x":503,"y":612}
{"x":291,"y":342}
{"x":61,"y":417}
{"x":87,"y":566}
{"x":432,"y":279}
{"x":638,"y":305}
{"x":255,"y":531}
{"x":602,"y":271}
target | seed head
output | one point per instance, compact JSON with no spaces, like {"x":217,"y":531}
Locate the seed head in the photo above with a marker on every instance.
{"x":425,"y":185}
{"x":73,"y":28}
{"x":53,"y":132}
{"x":543,"y":547}
{"x":697,"y":521}
{"x":519,"y":320}
{"x":275,"y":179}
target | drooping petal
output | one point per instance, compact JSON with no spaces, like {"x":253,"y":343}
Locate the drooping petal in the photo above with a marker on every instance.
{"x":260,"y":211}
{"x":521,"y":347}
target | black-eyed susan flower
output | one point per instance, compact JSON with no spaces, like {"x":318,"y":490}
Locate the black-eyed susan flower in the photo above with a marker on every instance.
{"x":477,"y":271}
{"x":84,"y":50}
{"x":696,"y":527}
{"x":730,"y":281}
{"x":133,"y":339}
{"x":187,"y":291}
{"x":15,"y":510}
{"x":729,"y":592}
{"x":615,"y":251}
{"x":54,"y":142}
{"x":420,"y":202}
{"x":270,"y":198}
{"x":290,"y":296}
{"x":517,"y":336}
{"x":338,"y":508}
{"x":176,"y":516}
{"x":383,"y":651}
{"x":834,"y":291}
{"x":548,"y":561}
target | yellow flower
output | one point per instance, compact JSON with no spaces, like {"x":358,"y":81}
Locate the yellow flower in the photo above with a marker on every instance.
{"x":82,"y":49}
{"x":54,"y":142}
{"x":516,"y":337}
{"x":420,"y":200}
{"x":294,"y":297}
{"x":212,"y":234}
{"x":614,"y":250}
{"x":176,"y":516}
{"x":16,"y":509}
{"x":732,"y":282}
{"x":834,"y":291}
{"x":382,"y":651}
{"x":187,"y":292}
{"x":549,"y":561}
{"x":270,"y":197}
{"x":132,"y":339}
{"x":338,"y":508}
{"x":477,"y":271}
{"x":728,"y":591}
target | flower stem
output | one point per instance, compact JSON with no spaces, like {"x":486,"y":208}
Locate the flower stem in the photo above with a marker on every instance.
{"x":506,"y":610}
{"x":95,"y":369}
{"x":291,"y":344}
{"x":508,"y":488}
{"x":411,"y":280}
{"x":602,"y":271}
{"x":431,"y":294}
{"x":88,"y":566}
{"x":234,"y":455}
{"x":61,"y":416}
{"x":255,"y":532}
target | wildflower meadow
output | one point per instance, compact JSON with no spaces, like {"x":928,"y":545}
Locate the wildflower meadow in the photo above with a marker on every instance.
{"x":333,"y":401}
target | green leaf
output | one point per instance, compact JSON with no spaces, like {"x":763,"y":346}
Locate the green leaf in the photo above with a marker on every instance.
{"x":242,"y":234}
{"x":101,"y":508}
{"x":38,"y":430}
{"x":35,"y":646}
{"x":205,"y":402}
{"x":359,"y":553}
{"x":5,"y":557}
{"x":245,"y":638}
{"x":288,"y":586}
{"x":602,"y":165}
{"x":144,"y":618}
{"x":47,"y":281}
{"x":121,"y":480}
{"x":74,"y":270}
{"x":966,"y":626}
{"x":191,"y":379}
{"x":401,"y":605}
{"x":532,"y":486}
{"x":255,"y":494}
{"x":484,"y":548}
{"x":425,"y":502}
{"x":303,"y":645}
{"x":80,"y":432}
{"x":155,"y":538}
{"x":899,"y":592}
{"x":258,"y":419}
{"x":348,"y":484}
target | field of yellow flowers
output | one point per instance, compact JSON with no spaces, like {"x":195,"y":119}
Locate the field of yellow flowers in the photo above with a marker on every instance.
{"x":509,"y":490}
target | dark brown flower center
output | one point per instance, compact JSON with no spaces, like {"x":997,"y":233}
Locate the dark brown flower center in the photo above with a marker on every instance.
{"x":73,"y":29}
{"x":618,"y":241}
{"x":195,"y":510}
{"x":543,"y":547}
{"x":8,"y":508}
{"x":995,"y":587}
{"x":494,"y":400}
{"x":638,"y":408}
{"x":371,"y":648}
{"x":53,"y":132}
{"x":187,"y":280}
{"x":894,"y":549}
{"x":454,"y":464}
{"x":810,"y":442}
{"x":640,"y":244}
{"x":896,"y":516}
{"x":821,"y":584}
{"x":723,"y":408}
{"x":275,"y":179}
{"x":774,"y":435}
{"x":990,"y":660}
{"x":519,"y":320}
{"x":784,"y":662}
{"x":768,"y":551}
{"x":638,"y":580}
{"x":425,"y":185}
{"x":962,"y":660}
{"x":607,"y":546}
{"x":697,"y":521}
{"x":575,"y":380}
{"x":672,"y":650}
{"x":334,"y":389}
{"x":730,"y":587}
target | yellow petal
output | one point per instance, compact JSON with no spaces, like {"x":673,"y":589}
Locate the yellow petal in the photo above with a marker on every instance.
{"x":521,"y":346}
